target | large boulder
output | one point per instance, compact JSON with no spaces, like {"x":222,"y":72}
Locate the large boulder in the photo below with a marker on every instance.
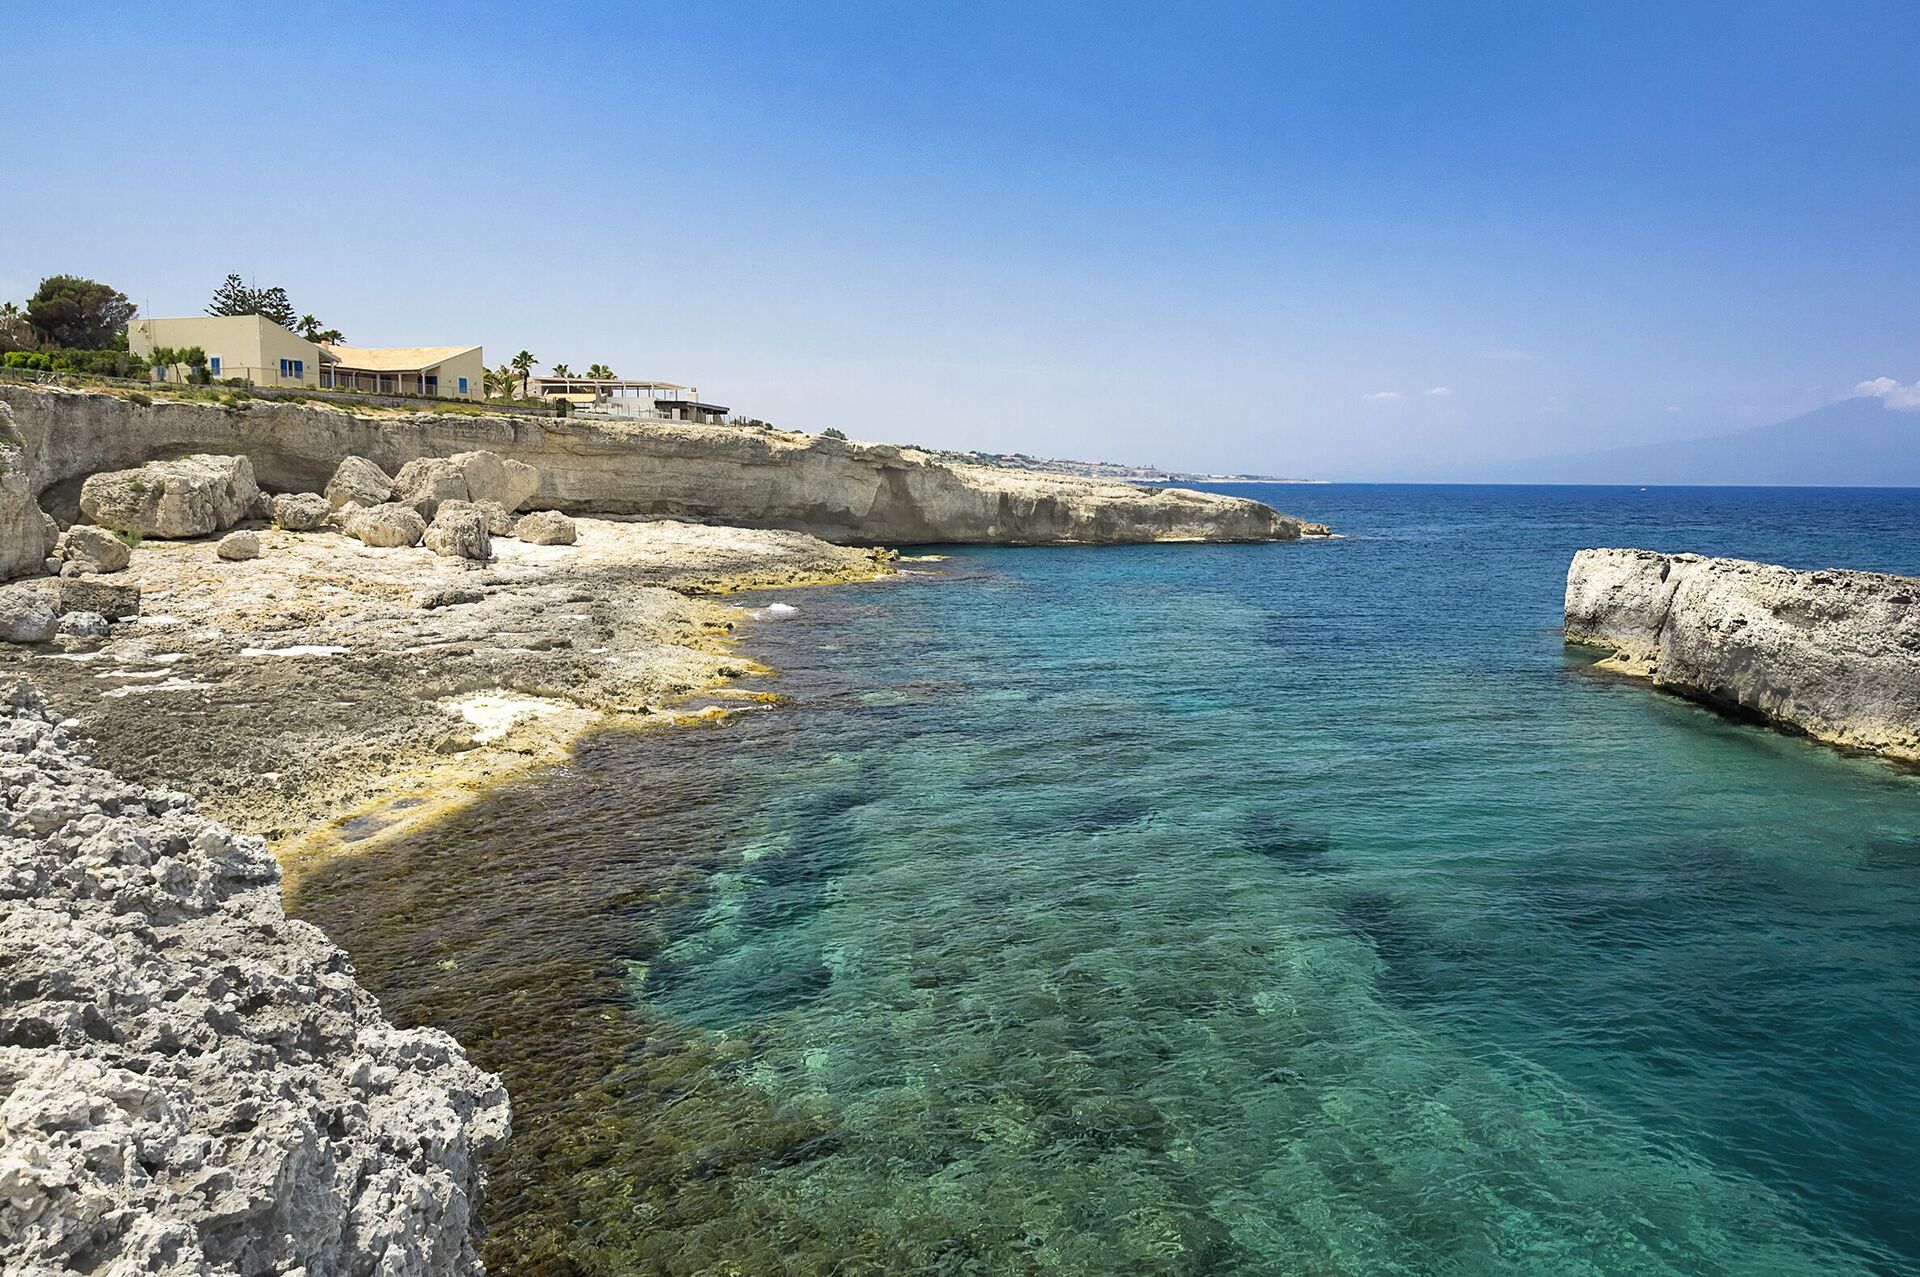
{"x":425,"y":482}
{"x":189,"y":497}
{"x":492,"y":477}
{"x":499,"y":519}
{"x":357,"y":481}
{"x":301,"y":511}
{"x":237,"y":546}
{"x":390,"y":524}
{"x":460,"y":534}
{"x":26,"y":614}
{"x":546,"y":527}
{"x":93,"y":549}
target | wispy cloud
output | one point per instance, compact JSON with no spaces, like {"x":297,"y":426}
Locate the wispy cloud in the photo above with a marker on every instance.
{"x":1382,"y":396}
{"x":1510,"y":356}
{"x":1892,"y":393}
{"x":1441,"y":392}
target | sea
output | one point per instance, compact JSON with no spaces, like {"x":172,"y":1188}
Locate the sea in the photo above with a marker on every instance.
{"x":1301,"y":908}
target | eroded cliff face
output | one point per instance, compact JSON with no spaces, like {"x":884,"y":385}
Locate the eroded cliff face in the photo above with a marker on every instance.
{"x":191,"y":1083}
{"x":851,"y":493}
{"x":1835,"y":654}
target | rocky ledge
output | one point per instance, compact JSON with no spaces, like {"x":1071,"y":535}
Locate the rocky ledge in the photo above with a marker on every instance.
{"x":1834,"y":654}
{"x":845,"y":492}
{"x":191,"y":1083}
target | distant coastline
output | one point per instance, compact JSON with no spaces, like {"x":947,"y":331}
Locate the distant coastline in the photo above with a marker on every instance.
{"x":1099,"y":469}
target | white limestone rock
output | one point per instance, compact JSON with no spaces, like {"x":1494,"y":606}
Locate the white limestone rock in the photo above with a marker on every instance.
{"x":190,"y":497}
{"x":491,"y":477}
{"x":93,"y":549}
{"x":191,"y":1082}
{"x":83,"y":625}
{"x":546,"y":527}
{"x":499,"y":519}
{"x":26,"y":613}
{"x":300,"y":511}
{"x":1834,"y":654}
{"x":460,"y":534}
{"x":389,"y":525}
{"x":236,"y":547}
{"x":358,"y":481}
{"x":425,"y":482}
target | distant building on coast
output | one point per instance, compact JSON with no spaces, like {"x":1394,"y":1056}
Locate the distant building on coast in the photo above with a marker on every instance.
{"x":262,"y":353}
{"x":618,"y":396}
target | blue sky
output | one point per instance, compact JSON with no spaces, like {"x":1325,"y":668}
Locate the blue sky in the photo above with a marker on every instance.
{"x":1246,"y":237}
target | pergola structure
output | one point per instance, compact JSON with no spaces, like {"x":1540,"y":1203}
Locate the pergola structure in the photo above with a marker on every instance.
{"x":666,"y":400}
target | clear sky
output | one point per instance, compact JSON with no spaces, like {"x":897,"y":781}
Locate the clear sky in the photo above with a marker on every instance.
{"x":1341,"y":240}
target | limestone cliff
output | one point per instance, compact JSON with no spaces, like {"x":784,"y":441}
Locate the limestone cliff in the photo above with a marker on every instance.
{"x":852,"y":493}
{"x":1835,"y":654}
{"x":191,"y":1084}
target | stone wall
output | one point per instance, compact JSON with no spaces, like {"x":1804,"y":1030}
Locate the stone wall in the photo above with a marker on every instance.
{"x":1835,"y":654}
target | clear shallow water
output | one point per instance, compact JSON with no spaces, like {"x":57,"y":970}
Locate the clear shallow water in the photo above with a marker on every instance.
{"x":1272,"y":909}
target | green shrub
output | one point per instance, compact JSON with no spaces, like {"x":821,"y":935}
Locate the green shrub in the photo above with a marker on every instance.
{"x":831,"y":433}
{"x":145,"y":401}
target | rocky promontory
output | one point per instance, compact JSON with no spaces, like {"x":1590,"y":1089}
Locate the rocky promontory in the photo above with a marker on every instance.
{"x":845,"y":492}
{"x":1832,"y":653}
{"x":190,"y":1082}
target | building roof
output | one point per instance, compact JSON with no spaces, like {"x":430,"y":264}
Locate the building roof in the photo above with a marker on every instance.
{"x":393,"y":358}
{"x":621,"y":382}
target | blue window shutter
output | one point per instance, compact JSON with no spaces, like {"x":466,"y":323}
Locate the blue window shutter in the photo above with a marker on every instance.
{"x":214,"y":365}
{"x":463,"y":385}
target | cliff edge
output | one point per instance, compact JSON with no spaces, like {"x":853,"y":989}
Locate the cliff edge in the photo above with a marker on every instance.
{"x":841,"y":491}
{"x":1834,"y":654}
{"x":191,"y":1083}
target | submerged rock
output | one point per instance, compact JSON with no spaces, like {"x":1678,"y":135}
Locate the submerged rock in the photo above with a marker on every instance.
{"x":358,"y":481}
{"x":460,"y":534}
{"x":546,"y":527}
{"x":392,"y":524}
{"x":192,"y":1083}
{"x":1835,"y":654}
{"x":190,"y":497}
{"x":300,"y":511}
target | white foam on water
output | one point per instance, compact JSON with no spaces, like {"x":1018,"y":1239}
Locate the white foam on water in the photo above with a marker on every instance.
{"x":774,"y":612}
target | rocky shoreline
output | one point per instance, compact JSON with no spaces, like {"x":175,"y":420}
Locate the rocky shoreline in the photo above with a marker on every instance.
{"x":191,"y":1084}
{"x":1834,"y":654}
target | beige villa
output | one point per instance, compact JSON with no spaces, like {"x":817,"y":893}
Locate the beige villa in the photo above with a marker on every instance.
{"x":265,"y":354}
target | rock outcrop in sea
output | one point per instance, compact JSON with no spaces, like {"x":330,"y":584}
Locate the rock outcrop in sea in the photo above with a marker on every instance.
{"x":190,"y":1082}
{"x":841,"y":491}
{"x":1833,"y":653}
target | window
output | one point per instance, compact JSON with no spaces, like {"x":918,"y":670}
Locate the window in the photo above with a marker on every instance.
{"x":433,"y":385}
{"x":463,"y":386}
{"x":299,"y":367}
{"x":286,"y":367}
{"x":213,"y":365}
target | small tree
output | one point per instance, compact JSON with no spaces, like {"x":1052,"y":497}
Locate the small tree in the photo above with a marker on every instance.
{"x":522,"y":364}
{"x":78,"y":313}
{"x":15,"y":332}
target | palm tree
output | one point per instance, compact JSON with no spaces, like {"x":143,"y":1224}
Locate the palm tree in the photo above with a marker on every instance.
{"x":500,"y":382}
{"x":561,"y":370}
{"x":600,"y":372}
{"x":523,"y":364}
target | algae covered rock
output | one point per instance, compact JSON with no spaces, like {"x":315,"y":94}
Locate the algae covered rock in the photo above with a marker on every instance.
{"x":389,"y":525}
{"x":190,"y":497}
{"x":460,"y":534}
{"x":546,"y":527}
{"x":357,"y":481}
{"x":300,"y":511}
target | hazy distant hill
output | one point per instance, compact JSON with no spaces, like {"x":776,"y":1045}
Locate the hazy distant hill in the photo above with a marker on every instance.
{"x":1854,"y":443}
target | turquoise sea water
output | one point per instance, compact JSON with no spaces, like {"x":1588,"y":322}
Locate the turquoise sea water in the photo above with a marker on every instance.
{"x":1274,"y":909}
